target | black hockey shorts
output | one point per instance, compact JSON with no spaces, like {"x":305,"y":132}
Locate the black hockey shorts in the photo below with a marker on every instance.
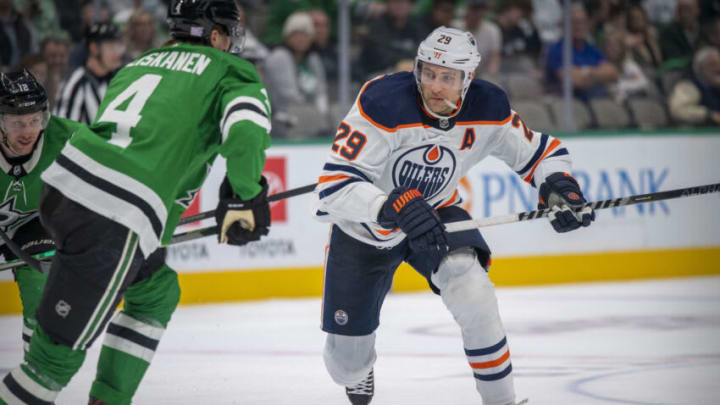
{"x":96,"y":260}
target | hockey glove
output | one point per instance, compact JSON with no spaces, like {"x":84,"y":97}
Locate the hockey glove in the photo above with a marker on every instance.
{"x":407,"y":209}
{"x":561,"y":193}
{"x":242,"y":221}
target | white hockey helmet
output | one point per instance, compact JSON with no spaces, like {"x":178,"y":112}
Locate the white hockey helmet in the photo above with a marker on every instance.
{"x":449,"y":47}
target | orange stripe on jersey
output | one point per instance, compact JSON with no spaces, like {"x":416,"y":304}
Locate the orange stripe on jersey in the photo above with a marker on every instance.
{"x":503,"y":122}
{"x":325,"y":179}
{"x":490,"y":364}
{"x":452,"y":200}
{"x":384,"y":232}
{"x":554,"y":144}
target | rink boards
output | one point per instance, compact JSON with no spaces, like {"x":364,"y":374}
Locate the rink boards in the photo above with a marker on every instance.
{"x":662,"y":239}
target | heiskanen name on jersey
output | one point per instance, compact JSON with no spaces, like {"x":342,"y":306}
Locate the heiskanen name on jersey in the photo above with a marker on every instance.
{"x":190,"y":62}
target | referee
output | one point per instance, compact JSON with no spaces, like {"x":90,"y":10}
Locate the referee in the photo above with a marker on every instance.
{"x":80,"y":95}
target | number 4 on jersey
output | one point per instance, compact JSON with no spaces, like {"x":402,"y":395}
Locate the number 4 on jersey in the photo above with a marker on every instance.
{"x":139,"y":91}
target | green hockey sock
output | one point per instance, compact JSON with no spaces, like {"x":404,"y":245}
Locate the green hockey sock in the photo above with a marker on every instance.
{"x":48,"y":368}
{"x":31,"y":284}
{"x":133,"y":335}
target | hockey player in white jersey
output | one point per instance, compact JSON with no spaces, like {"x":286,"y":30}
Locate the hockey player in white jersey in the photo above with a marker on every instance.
{"x":388,"y":187}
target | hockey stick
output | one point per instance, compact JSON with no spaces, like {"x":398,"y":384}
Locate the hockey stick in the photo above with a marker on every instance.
{"x":501,"y":219}
{"x":182,"y":237}
{"x":22,"y":255}
{"x":597,"y":205}
{"x":275,"y":197}
{"x":212,"y":230}
{"x":42,"y":257}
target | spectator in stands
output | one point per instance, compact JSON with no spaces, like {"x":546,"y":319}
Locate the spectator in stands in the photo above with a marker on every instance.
{"x":632,"y":81}
{"x":326,"y":49}
{"x":441,"y":14}
{"x":280,"y":10}
{"x":600,"y":15}
{"x":392,"y":37}
{"x":35,"y":64}
{"x":591,"y":71}
{"x":16,"y":35}
{"x":548,"y":18}
{"x":294,"y":75}
{"x":487,"y":34}
{"x":69,"y":18}
{"x":679,"y":39}
{"x":660,"y":12}
{"x":41,"y":14}
{"x":56,"y":52}
{"x":81,"y":94}
{"x":521,"y":41}
{"x":641,"y":40}
{"x":696,"y":100}
{"x":156,"y":8}
{"x":140,"y":34}
{"x":711,"y":33}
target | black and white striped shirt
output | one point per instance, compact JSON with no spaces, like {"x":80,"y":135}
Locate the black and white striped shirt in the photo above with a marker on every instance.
{"x":80,"y":95}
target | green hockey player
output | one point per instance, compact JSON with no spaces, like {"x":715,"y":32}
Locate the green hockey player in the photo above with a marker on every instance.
{"x":115,"y":194}
{"x":30,"y":141}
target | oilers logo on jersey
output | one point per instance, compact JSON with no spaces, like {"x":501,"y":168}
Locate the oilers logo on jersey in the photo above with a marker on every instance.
{"x":427,"y":168}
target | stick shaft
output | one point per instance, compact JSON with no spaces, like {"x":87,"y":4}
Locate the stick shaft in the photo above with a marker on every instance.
{"x":213,"y":230}
{"x":275,"y":197}
{"x":475,"y":223}
{"x":597,"y":205}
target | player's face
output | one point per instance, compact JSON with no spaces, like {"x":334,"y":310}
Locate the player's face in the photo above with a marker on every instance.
{"x":440,"y":84}
{"x":22,"y":132}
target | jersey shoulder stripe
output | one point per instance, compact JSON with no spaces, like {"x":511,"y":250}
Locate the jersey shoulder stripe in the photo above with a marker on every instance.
{"x":347,"y":169}
{"x":336,"y":176}
{"x":391,"y":102}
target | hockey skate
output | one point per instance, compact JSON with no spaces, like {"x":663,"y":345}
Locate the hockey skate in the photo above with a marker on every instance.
{"x":362,"y":393}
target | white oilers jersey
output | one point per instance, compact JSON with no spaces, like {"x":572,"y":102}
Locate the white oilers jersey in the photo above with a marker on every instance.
{"x":388,"y":140}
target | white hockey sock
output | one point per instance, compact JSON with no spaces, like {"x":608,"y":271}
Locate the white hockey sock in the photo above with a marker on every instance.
{"x":468,"y":293}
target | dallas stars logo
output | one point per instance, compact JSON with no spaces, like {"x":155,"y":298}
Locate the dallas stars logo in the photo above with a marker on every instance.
{"x":191,"y":194}
{"x":186,"y":201}
{"x":11,"y":218}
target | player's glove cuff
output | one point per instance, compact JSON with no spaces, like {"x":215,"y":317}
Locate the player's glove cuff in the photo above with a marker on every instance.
{"x":561,"y":193}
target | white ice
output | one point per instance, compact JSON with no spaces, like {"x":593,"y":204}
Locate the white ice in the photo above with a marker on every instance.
{"x":650,"y":342}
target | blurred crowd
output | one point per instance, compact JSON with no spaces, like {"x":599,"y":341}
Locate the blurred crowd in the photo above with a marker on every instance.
{"x":635,"y":63}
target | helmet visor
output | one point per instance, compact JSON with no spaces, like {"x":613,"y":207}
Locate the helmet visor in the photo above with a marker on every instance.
{"x":437,"y":76}
{"x":14,"y":124}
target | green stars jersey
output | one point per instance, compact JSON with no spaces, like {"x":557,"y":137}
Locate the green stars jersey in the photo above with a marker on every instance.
{"x":20,"y":184}
{"x":162,"y":122}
